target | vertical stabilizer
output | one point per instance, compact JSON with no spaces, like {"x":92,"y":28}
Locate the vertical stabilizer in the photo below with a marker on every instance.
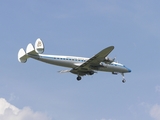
{"x":22,"y":56}
{"x":39,"y":46}
{"x":30,"y":49}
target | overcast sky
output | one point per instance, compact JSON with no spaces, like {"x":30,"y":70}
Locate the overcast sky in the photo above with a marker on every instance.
{"x":36,"y":91}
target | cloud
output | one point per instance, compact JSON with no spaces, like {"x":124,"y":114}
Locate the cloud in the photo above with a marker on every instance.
{"x":10,"y":112}
{"x":155,"y":112}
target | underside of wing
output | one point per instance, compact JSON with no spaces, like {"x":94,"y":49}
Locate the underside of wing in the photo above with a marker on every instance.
{"x":92,"y":62}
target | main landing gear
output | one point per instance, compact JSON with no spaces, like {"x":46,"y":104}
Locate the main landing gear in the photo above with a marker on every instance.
{"x":123,"y":78}
{"x":79,"y":78}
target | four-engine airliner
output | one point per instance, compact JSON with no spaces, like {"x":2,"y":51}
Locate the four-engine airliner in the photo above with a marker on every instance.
{"x":80,"y":66}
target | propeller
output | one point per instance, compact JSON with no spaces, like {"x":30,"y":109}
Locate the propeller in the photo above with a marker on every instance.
{"x":108,"y":60}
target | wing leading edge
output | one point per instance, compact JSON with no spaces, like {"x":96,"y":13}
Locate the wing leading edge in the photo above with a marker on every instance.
{"x":93,"y":62}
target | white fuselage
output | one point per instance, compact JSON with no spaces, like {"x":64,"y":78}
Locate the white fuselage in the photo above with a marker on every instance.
{"x":73,"y":61}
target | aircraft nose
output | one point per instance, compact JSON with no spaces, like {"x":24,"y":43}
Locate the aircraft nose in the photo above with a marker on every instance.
{"x":128,"y":70}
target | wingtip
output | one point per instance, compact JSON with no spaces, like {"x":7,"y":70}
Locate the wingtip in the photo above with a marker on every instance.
{"x":112,"y":46}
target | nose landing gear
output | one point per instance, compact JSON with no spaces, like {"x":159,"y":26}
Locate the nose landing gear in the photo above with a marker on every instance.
{"x":123,"y":78}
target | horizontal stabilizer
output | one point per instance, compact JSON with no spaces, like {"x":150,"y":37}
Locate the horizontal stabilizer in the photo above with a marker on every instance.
{"x":39,"y":46}
{"x":30,"y":49}
{"x":22,"y":57}
{"x":64,"y":71}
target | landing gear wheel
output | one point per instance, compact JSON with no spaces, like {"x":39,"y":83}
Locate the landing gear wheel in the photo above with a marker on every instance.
{"x":123,"y":80}
{"x":79,"y":78}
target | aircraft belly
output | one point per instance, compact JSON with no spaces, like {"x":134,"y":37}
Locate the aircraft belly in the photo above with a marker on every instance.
{"x":110,"y":68}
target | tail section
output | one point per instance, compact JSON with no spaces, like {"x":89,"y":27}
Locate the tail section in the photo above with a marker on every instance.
{"x":32,"y":50}
{"x":39,"y":46}
{"x":22,"y":57}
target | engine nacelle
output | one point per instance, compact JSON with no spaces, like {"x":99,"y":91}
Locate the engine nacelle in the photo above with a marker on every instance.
{"x":103,"y":64}
{"x":91,"y":72}
{"x":108,"y":60}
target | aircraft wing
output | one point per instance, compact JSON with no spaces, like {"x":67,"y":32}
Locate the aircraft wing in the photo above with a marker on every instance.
{"x":95,"y":60}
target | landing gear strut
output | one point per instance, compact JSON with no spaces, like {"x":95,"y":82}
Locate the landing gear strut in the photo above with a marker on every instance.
{"x":123,"y":78}
{"x":79,"y":78}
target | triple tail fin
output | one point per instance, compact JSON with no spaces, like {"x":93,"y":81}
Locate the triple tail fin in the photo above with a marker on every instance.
{"x":34,"y":50}
{"x":39,"y":46}
{"x":22,"y":56}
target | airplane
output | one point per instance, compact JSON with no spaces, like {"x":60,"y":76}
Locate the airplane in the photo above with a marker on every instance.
{"x":80,"y":66}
